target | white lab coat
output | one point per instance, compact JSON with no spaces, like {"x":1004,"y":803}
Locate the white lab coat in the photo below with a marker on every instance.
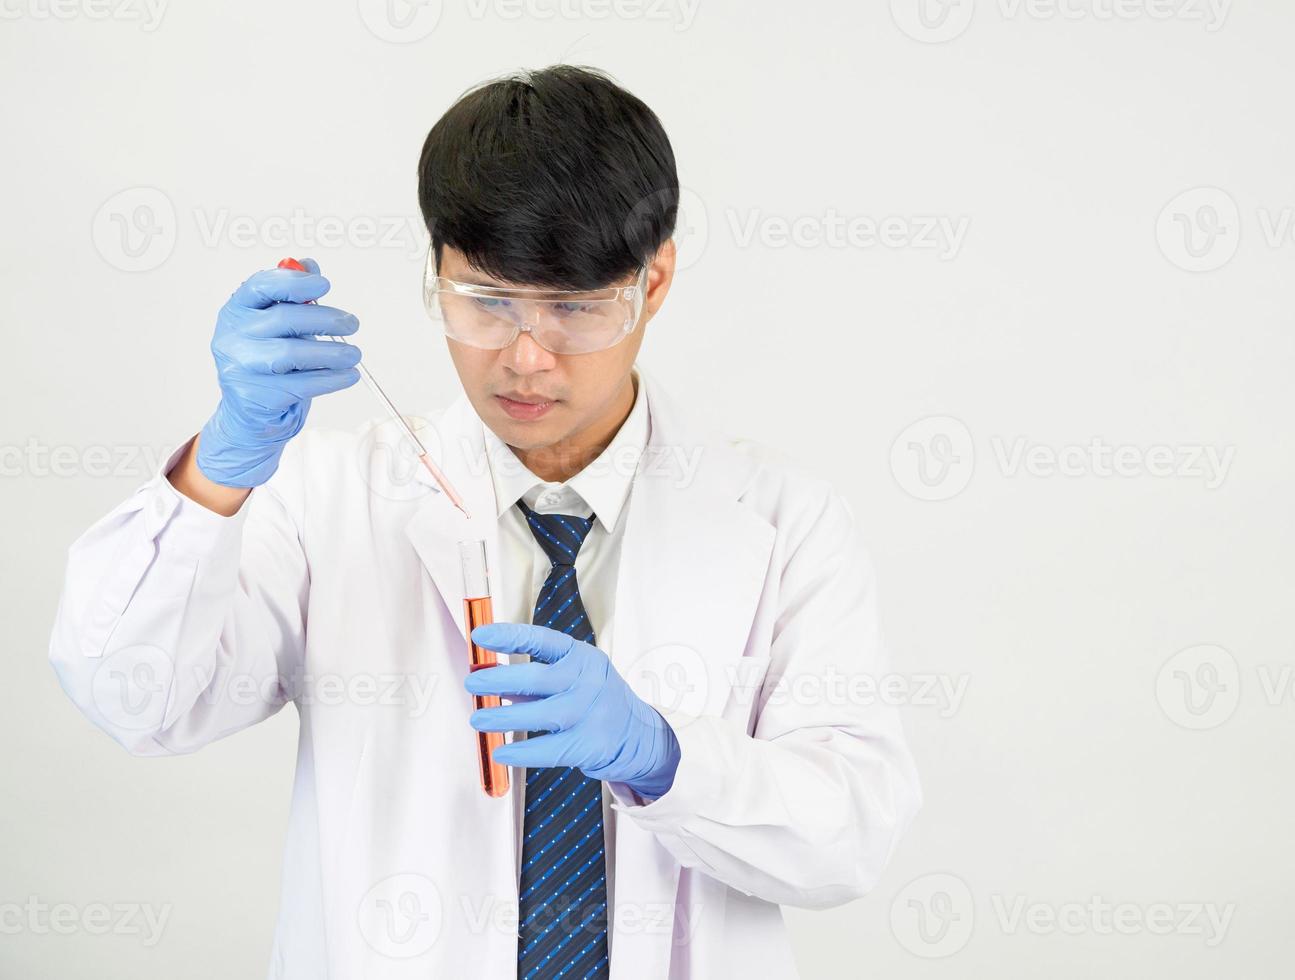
{"x":338,"y":587}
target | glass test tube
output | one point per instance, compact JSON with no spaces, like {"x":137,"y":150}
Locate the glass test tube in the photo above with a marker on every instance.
{"x":477,"y":611}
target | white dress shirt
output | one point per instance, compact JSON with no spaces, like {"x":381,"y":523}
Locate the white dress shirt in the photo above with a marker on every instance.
{"x":603,"y":488}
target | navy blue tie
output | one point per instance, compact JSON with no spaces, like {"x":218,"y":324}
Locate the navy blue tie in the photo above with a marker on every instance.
{"x":562,"y":895}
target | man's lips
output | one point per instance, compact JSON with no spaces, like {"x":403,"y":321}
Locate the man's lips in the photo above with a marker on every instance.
{"x":524,"y":407}
{"x":517,"y":396}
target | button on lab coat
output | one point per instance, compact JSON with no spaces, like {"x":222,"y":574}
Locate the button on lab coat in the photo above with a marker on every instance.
{"x":744,"y":605}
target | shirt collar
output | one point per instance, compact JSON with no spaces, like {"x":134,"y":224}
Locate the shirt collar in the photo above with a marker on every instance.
{"x":603,"y":485}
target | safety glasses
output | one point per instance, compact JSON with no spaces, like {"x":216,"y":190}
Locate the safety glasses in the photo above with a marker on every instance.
{"x":560,"y":321}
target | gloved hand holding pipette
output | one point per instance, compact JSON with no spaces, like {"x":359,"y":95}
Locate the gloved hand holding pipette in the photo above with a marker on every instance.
{"x":270,"y":365}
{"x":596,"y":723}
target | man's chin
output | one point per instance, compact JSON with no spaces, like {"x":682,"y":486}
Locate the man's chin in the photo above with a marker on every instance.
{"x":527,"y":436}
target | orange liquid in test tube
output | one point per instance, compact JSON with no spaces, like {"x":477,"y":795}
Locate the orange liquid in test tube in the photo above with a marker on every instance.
{"x":478,"y":611}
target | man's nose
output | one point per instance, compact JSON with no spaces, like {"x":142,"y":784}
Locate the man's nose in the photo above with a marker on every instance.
{"x":525,"y":356}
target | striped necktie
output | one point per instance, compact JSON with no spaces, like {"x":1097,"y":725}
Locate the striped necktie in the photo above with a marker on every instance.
{"x":562,"y":895}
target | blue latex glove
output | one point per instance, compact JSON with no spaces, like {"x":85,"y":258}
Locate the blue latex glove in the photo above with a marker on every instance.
{"x":270,"y":366}
{"x":597,"y":723}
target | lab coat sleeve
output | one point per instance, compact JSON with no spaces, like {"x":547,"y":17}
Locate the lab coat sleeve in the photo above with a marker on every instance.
{"x":807,"y":809}
{"x":178,"y":626}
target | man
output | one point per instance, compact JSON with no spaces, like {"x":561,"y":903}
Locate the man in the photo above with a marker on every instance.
{"x":680,"y":763}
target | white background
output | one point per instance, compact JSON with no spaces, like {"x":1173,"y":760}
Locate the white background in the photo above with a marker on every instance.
{"x":1088,"y":311}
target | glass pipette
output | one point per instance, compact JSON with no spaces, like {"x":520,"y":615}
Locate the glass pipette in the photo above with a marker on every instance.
{"x":381,"y":395}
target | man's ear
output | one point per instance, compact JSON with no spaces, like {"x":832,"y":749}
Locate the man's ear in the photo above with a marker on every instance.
{"x":660,"y":276}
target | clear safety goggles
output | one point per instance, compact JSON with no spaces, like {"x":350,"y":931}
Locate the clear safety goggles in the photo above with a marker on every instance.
{"x":561,"y":321}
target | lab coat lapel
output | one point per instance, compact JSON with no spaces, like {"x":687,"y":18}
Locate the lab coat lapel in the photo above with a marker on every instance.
{"x":693,"y":562}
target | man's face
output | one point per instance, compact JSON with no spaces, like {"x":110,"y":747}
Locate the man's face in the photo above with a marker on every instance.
{"x":533,"y":399}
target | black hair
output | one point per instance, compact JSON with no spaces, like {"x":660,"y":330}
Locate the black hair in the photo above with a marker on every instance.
{"x":557,"y":178}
